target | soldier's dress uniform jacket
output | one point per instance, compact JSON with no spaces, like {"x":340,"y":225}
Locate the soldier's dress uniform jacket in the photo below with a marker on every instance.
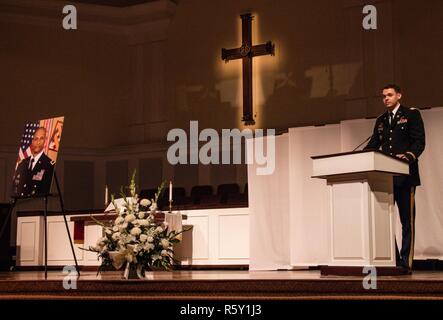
{"x":36,"y":181}
{"x":404,"y":134}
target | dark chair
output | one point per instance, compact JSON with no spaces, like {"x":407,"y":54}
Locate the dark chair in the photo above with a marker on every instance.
{"x":240,"y":199}
{"x":147,"y":194}
{"x":163,"y":200}
{"x":179,"y":197}
{"x":227,"y":189}
{"x":212,"y":200}
{"x":178,"y":192}
{"x":199,"y":192}
{"x":150,"y":194}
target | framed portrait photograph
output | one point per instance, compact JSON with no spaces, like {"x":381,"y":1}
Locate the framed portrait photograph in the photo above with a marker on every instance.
{"x":37,"y":157}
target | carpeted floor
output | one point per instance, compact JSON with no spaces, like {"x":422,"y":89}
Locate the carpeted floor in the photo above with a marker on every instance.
{"x":219,"y":285}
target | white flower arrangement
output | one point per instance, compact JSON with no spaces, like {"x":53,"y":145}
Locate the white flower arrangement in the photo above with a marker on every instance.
{"x":134,"y":240}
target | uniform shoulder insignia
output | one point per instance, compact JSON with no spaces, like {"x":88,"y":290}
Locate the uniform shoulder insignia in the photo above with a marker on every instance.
{"x":52,"y":162}
{"x":412,"y":108}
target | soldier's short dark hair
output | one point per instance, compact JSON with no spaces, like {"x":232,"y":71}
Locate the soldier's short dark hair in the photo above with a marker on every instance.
{"x":393,"y":86}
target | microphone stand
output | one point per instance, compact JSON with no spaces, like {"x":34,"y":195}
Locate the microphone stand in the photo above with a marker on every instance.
{"x":362,"y":143}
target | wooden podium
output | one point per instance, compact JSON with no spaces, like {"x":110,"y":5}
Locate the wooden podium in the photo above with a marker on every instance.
{"x":361,"y":208}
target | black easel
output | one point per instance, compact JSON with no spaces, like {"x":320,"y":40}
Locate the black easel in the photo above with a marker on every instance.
{"x":45,"y":199}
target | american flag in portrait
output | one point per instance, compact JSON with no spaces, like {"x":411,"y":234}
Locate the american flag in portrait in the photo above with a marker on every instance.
{"x":28,"y":133}
{"x":49,"y":125}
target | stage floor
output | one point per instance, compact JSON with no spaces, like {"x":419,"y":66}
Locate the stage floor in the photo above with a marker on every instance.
{"x":219,"y":284}
{"x":215,"y":275}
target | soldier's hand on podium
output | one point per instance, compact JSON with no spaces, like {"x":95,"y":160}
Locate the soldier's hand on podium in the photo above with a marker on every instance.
{"x":402,"y":156}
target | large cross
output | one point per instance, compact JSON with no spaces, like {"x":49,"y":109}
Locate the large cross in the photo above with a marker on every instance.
{"x":246,"y":52}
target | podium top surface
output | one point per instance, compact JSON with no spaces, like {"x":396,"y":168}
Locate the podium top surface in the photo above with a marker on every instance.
{"x":357,"y":152}
{"x":359,"y":162}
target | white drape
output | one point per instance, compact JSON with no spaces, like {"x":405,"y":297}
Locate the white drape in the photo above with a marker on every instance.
{"x":289,"y":226}
{"x":269,"y":219}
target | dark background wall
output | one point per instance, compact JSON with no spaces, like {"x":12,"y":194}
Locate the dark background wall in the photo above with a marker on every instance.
{"x":132,"y":72}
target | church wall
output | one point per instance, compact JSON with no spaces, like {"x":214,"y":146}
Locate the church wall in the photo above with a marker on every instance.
{"x":122,"y":92}
{"x":49,"y":72}
{"x":326,"y":67}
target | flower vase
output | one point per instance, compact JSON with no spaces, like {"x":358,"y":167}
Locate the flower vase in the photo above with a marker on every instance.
{"x":130,"y":272}
{"x":134,"y":272}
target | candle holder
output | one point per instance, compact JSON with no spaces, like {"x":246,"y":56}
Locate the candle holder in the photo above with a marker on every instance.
{"x":170,"y":206}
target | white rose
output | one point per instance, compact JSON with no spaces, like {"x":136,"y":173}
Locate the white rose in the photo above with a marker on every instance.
{"x":144,"y":222}
{"x":165,"y":243}
{"x":141,"y":215}
{"x":143,"y":238}
{"x":159,"y":229}
{"x":145,"y":202}
{"x":148,"y":247}
{"x":115,"y":228}
{"x":119,"y":220}
{"x":164,"y":253}
{"x":130,"y":218}
{"x":150,"y":239}
{"x":108,"y":231}
{"x":136,"y":231}
{"x":116,"y":235}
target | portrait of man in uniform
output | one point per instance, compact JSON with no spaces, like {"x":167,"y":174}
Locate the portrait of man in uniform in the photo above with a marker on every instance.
{"x":35,"y":168}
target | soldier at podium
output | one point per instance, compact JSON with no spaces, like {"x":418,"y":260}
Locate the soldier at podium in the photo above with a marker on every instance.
{"x":400,"y":132}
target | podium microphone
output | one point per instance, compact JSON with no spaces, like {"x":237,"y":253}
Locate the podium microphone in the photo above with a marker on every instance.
{"x":368,"y":137}
{"x":362,"y":143}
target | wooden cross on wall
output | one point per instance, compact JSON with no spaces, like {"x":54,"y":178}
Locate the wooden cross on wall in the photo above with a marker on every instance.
{"x":246,"y":52}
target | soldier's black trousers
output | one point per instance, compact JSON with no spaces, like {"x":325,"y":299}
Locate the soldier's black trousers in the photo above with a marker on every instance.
{"x":404,"y":197}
